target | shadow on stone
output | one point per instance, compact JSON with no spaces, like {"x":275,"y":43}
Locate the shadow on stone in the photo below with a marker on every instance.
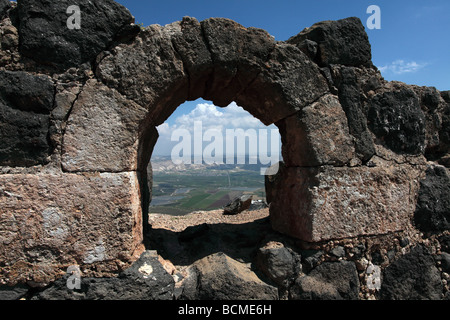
{"x":238,"y":241}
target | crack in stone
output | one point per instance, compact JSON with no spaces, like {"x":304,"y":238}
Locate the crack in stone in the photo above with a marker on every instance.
{"x":185,"y":68}
{"x":64,"y":126}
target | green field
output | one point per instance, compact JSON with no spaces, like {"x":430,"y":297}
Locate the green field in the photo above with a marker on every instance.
{"x":180,"y":193}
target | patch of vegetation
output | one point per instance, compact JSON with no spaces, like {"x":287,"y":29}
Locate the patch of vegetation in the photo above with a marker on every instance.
{"x":207,"y":190}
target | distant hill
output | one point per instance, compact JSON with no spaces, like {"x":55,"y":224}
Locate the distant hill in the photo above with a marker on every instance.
{"x":165,"y":164}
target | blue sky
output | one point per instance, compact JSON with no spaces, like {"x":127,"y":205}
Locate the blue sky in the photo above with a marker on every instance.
{"x":412,"y":45}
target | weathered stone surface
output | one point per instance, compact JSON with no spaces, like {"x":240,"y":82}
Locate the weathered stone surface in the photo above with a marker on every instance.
{"x":13,"y":293}
{"x":340,"y":42}
{"x":446,"y":95}
{"x":146,"y":279}
{"x":444,"y":133}
{"x":289,"y":82}
{"x":445,"y":262}
{"x":222,"y":278}
{"x":317,"y":135}
{"x":238,"y":55}
{"x":148,"y":71}
{"x":373,"y":277}
{"x":311,"y":259}
{"x":397,"y":120}
{"x":52,"y":221}
{"x":413,"y":277}
{"x":4,"y":6}
{"x":27,"y":92}
{"x":85,"y":124}
{"x":329,"y":281}
{"x":102,"y":131}
{"x":308,"y":47}
{"x":238,"y":205}
{"x":278,"y":263}
{"x":25,"y":105}
{"x":190,"y":43}
{"x":23,"y":136}
{"x":46,"y":38}
{"x":65,"y":97}
{"x":9,"y":37}
{"x":323,"y":203}
{"x":227,"y":62}
{"x":432,"y":105}
{"x":186,"y":287}
{"x":350,"y":99}
{"x":433,"y":204}
{"x":444,"y":240}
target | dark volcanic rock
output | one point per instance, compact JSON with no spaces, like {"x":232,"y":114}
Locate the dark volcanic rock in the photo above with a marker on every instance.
{"x":445,"y":262}
{"x":444,"y":240}
{"x":4,"y":6}
{"x":25,"y":105}
{"x":258,"y":205}
{"x":13,"y":293}
{"x":436,"y":121}
{"x":339,"y":42}
{"x":329,"y":281}
{"x":238,"y":205}
{"x":288,"y":82}
{"x":238,"y":55}
{"x":146,"y":279}
{"x":413,"y":277}
{"x":26,"y":92}
{"x":24,"y":137}
{"x":46,"y":38}
{"x":397,"y":120}
{"x":193,"y":49}
{"x":350,"y":99}
{"x":433,"y":205}
{"x":311,"y":259}
{"x":309,"y":48}
{"x":430,"y":98}
{"x":444,"y":133}
{"x":278,"y":263}
{"x":446,"y":96}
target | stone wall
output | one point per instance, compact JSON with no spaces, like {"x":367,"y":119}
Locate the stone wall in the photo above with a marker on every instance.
{"x":79,"y":109}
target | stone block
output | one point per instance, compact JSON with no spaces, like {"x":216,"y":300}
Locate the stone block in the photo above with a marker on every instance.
{"x":26,"y":101}
{"x":317,"y":135}
{"x":340,"y":42}
{"x":102,"y":132}
{"x":323,"y":203}
{"x":51,"y":221}
{"x":46,"y":38}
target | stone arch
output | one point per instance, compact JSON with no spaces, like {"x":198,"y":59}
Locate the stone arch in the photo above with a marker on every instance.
{"x":218,"y":60}
{"x":341,"y":177}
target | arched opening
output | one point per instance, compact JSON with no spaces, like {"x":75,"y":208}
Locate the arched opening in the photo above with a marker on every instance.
{"x":221,"y":61}
{"x":142,"y":83}
{"x":207,"y":156}
{"x":204,"y":158}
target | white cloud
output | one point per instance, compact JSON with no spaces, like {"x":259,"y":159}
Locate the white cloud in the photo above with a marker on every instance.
{"x":212,"y":118}
{"x":401,"y":67}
